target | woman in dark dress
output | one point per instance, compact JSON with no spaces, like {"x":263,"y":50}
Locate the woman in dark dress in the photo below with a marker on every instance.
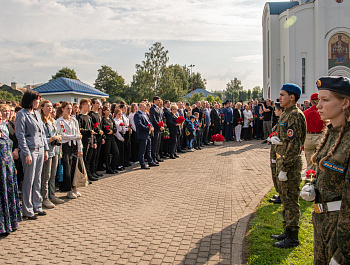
{"x":110,"y":148}
{"x":174,"y":129}
{"x":10,"y":208}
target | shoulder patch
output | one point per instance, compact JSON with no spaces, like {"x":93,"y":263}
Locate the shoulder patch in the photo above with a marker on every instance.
{"x":333,"y":167}
{"x":290,"y":133}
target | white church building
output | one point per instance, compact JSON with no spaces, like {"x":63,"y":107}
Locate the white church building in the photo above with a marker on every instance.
{"x":302,"y":41}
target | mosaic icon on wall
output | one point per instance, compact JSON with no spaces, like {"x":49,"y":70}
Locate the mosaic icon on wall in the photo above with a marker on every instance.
{"x":338,"y":51}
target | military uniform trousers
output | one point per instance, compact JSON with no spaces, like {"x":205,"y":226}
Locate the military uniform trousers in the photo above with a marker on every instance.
{"x":325,"y":237}
{"x":289,"y":193}
{"x":311,"y":144}
{"x":274,"y":176}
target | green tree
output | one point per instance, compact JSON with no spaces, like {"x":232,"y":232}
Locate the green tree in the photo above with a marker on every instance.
{"x":249,"y":95}
{"x":198,"y":82}
{"x":210,"y":98}
{"x":172,"y":84}
{"x":255,"y":93}
{"x":233,"y":88}
{"x":218,"y":99}
{"x":109,"y":81}
{"x":65,"y":72}
{"x":4,"y":95}
{"x":196,"y":97}
{"x":243,"y":95}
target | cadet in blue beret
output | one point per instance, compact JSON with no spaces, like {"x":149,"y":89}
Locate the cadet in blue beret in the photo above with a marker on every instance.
{"x":330,"y":190}
{"x":291,"y":131}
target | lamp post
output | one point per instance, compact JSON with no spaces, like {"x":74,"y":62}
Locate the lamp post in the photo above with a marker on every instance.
{"x":191,"y":66}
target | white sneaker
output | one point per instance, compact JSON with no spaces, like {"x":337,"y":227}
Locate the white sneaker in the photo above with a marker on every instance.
{"x":48,"y":204}
{"x":136,"y":163}
{"x":191,"y":150}
{"x":56,"y":200}
{"x":71,"y":195}
{"x":77,"y":193}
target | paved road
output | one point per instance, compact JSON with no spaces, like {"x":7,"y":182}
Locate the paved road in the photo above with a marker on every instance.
{"x":192,"y":210}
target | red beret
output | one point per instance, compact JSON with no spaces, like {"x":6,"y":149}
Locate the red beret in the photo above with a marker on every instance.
{"x":314,"y":96}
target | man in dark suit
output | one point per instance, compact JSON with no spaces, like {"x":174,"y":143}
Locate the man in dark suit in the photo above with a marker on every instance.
{"x":166,"y":114}
{"x":155,"y":115}
{"x":181,"y":136}
{"x":228,"y":120}
{"x":143,"y":135}
{"x":215,"y":117}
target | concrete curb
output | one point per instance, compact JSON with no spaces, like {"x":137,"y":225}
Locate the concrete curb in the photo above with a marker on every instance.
{"x":237,"y":241}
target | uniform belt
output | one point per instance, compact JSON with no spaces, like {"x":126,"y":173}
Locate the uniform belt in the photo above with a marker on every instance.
{"x":327,"y":207}
{"x":314,"y":132}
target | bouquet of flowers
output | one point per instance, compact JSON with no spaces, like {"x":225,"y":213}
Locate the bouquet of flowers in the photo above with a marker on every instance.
{"x":161,"y":124}
{"x":107,"y":128}
{"x":180,"y":119}
{"x":222,"y":115}
{"x":310,"y":174}
{"x":121,"y":124}
{"x":217,"y":138}
{"x":95,"y":125}
{"x":255,"y":116}
{"x":240,"y":120}
{"x":166,"y":133}
{"x":272,"y":134}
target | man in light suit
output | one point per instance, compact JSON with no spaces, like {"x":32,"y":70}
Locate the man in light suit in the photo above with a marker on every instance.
{"x":33,"y":148}
{"x":155,"y":115}
{"x":143,"y":135}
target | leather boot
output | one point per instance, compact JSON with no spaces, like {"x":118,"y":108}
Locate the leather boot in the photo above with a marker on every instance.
{"x":276,"y":200}
{"x":289,"y":242}
{"x":281,"y":236}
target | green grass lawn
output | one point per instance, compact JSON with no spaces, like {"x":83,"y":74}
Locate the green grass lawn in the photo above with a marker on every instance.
{"x":268,"y":221}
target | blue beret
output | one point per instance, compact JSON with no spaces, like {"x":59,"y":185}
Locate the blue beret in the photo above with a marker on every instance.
{"x":292,"y":88}
{"x":192,"y":117}
{"x":338,"y":84}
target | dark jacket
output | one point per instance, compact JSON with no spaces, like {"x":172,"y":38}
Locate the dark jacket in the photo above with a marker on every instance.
{"x":215,"y":117}
{"x":236,"y":116}
{"x":155,"y":115}
{"x":108,"y":122}
{"x":171,"y":122}
{"x":141,"y":122}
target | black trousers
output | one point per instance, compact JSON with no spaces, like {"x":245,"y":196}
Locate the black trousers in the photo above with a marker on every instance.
{"x":205,"y":134}
{"x":120,"y":145}
{"x":145,"y":151}
{"x":126,"y":149}
{"x":173,"y":143}
{"x":247,"y":133}
{"x":88,"y":150}
{"x":111,"y":148}
{"x":69,"y":160}
{"x":134,"y":147}
{"x":166,"y":145}
{"x":156,"y":139}
{"x":95,"y":158}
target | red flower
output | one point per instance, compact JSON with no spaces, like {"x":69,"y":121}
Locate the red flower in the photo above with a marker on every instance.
{"x":62,"y":126}
{"x":240,"y":120}
{"x":95,"y":125}
{"x":130,"y":125}
{"x":180,"y":119}
{"x":121,"y":124}
{"x":222,"y":115}
{"x":203,"y":116}
{"x":217,"y":138}
{"x":255,"y":116}
{"x":161,"y":124}
{"x":273,"y":134}
{"x":107,"y":127}
{"x":64,"y":130}
{"x":310,"y":173}
{"x":149,"y":126}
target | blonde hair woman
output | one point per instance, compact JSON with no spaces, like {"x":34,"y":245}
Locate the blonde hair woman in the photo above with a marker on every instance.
{"x":331,"y":187}
{"x":238,"y":121}
{"x":48,"y":175}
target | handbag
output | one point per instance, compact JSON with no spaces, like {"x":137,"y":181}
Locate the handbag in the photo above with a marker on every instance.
{"x":80,"y":176}
{"x":60,"y":171}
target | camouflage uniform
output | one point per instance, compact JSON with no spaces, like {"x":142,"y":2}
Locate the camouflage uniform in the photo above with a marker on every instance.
{"x":273,"y":165}
{"x":332,"y":229}
{"x":291,"y":130}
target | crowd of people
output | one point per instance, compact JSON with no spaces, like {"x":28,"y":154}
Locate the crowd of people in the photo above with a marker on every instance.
{"x":36,"y":136}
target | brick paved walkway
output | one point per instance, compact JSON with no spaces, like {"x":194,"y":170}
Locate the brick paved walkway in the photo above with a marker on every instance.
{"x":192,"y":210}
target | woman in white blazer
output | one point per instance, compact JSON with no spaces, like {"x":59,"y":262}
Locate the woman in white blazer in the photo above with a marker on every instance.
{"x":33,"y":149}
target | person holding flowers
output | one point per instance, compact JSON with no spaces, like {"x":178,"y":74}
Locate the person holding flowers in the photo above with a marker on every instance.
{"x":190,"y":131}
{"x":134,"y":144}
{"x":174,"y":123}
{"x":120,"y":134}
{"x":248,"y":122}
{"x":72,"y":147}
{"x":109,"y":129}
{"x":143,"y":133}
{"x":330,"y":187}
{"x":238,"y":121}
{"x":156,"y":118}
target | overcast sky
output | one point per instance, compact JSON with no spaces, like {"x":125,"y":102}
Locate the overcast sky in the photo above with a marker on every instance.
{"x":221,"y":38}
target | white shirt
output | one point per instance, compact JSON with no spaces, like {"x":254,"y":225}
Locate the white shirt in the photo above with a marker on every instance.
{"x":247,"y":115}
{"x":69,"y":132}
{"x":132,"y":122}
{"x":119,"y":129}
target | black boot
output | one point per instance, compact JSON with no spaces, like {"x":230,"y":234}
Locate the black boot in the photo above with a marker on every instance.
{"x":289,"y":242}
{"x":276,"y":200}
{"x":280,"y":237}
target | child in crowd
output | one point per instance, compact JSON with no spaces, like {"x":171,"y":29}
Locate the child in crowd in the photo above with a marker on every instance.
{"x":190,"y":131}
{"x":197,"y":125}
